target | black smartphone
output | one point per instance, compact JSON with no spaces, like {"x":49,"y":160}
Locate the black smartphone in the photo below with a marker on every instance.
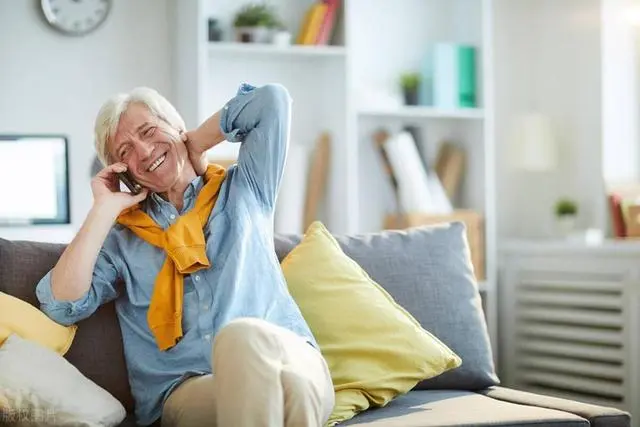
{"x":129,"y":182}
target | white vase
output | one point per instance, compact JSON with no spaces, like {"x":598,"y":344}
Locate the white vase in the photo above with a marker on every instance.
{"x":253,"y":34}
{"x":566,"y":224}
{"x":282,"y":38}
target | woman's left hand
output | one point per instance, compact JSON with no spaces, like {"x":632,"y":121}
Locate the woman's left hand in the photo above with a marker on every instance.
{"x":197,"y":155}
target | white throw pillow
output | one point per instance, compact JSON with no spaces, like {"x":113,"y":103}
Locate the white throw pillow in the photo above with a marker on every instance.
{"x":38,"y":387}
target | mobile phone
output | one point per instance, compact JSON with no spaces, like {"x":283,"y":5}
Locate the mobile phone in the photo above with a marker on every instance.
{"x":129,"y":182}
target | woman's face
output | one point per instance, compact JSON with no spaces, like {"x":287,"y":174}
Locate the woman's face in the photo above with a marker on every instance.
{"x":152,"y":150}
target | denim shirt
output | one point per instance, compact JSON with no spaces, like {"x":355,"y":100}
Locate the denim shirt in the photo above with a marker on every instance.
{"x":244,"y":280}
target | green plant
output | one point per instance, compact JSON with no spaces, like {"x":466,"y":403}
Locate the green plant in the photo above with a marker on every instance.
{"x":566,"y":206}
{"x":257,"y":15}
{"x":410,"y":81}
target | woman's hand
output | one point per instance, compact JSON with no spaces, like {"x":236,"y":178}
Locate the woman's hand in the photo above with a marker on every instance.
{"x":106,"y":190}
{"x":199,"y":140}
{"x":196,"y":147}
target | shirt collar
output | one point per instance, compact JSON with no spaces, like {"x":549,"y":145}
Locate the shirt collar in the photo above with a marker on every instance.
{"x":190,"y":192}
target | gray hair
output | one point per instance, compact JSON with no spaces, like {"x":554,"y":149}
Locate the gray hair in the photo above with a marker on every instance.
{"x":109,"y":115}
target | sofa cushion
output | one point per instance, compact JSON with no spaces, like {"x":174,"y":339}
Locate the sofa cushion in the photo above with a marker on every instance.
{"x":374,"y":348}
{"x":428,"y":271}
{"x":427,"y":408}
{"x":27,"y":321}
{"x":97,"y":349}
{"x":598,"y":416}
{"x":40,"y":385}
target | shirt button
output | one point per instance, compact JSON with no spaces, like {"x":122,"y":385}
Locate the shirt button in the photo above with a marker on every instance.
{"x":207,"y":337}
{"x":226,"y":107}
{"x":196,"y":278}
{"x":172,"y":216}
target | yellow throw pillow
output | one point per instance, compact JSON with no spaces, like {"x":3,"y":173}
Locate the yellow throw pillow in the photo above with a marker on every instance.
{"x":375,"y":349}
{"x":25,"y":320}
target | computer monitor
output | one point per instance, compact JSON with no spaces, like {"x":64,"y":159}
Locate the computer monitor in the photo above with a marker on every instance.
{"x":34,"y":180}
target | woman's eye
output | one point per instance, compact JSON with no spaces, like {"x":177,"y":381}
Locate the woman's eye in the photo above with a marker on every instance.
{"x":124,"y":152}
{"x":149,"y":131}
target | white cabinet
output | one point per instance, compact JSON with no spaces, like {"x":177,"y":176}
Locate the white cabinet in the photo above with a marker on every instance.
{"x":570,"y":321}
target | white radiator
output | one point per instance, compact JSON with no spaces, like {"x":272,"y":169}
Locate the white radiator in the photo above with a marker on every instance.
{"x":569,"y":328}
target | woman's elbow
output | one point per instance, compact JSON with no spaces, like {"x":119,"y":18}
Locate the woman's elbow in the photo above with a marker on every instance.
{"x":276,"y":96}
{"x":58,"y":314}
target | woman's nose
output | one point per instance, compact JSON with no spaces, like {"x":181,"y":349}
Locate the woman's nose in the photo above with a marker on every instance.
{"x":144,"y":149}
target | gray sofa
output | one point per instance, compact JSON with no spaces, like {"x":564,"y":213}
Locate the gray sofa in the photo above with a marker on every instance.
{"x":426,"y":270}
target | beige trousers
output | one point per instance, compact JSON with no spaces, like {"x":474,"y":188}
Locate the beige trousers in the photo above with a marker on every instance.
{"x":264,"y":375}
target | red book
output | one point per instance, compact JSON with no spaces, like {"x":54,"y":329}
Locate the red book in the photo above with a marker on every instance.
{"x":326,"y":29}
{"x":617,"y":220}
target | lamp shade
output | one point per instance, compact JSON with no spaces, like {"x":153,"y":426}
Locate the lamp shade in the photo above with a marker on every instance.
{"x":536,"y":146}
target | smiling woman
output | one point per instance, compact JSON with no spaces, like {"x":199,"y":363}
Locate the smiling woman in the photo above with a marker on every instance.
{"x":140,"y":131}
{"x":202,"y":290}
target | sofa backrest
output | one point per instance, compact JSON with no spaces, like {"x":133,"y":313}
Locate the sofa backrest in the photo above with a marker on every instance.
{"x":427,"y":270}
{"x":97,"y":348}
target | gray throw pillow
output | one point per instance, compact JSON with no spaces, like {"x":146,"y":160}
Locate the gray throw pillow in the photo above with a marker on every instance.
{"x":428,"y":271}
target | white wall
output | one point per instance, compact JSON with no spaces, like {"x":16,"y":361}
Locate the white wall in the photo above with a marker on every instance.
{"x":50,"y":83}
{"x":548,"y":59}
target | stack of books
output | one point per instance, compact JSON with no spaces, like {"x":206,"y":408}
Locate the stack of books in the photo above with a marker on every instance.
{"x":624,"y":208}
{"x":449,"y":76}
{"x":319,"y":23}
{"x":424,"y":195}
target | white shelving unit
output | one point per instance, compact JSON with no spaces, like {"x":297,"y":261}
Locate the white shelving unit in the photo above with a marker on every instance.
{"x":376,"y":41}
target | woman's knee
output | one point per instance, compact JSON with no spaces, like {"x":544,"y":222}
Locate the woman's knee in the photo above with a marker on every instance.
{"x":244,"y":337}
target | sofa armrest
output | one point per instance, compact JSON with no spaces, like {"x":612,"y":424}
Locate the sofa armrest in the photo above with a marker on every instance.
{"x":598,"y":416}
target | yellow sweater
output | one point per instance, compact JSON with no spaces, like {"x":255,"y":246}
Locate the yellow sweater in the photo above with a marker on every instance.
{"x":185,"y":246}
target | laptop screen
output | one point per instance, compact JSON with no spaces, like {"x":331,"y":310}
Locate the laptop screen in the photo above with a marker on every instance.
{"x":34,"y":180}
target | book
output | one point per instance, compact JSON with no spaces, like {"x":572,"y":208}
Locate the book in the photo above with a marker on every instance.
{"x":380,"y":138}
{"x":454,"y":76}
{"x":413,"y":180}
{"x":450,"y":165}
{"x":312,"y":23}
{"x":328,"y":23}
{"x":317,"y":178}
{"x":617,"y":220}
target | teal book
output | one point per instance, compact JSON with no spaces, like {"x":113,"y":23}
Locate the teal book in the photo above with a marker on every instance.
{"x":454,"y":76}
{"x":466,"y":76}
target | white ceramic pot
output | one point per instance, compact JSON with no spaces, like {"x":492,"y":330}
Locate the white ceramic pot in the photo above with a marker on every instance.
{"x":281,"y":38}
{"x":566,"y":224}
{"x":253,"y":34}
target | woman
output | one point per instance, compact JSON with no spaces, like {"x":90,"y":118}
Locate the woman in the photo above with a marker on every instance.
{"x":211,"y":334}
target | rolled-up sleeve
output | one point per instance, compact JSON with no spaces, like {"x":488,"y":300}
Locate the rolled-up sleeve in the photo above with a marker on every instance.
{"x":260,"y":118}
{"x":102,"y":290}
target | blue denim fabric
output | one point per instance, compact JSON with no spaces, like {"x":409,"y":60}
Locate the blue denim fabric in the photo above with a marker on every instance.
{"x":245,"y":279}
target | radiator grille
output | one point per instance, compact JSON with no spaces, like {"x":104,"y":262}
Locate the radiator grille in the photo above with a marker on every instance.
{"x":569,"y":339}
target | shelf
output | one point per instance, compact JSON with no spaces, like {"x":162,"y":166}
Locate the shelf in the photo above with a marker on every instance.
{"x":269,"y":49}
{"x":423,"y":112}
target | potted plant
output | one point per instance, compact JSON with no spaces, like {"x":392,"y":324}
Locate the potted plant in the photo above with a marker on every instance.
{"x":253,"y":23}
{"x":566,"y":213}
{"x":410,"y":83}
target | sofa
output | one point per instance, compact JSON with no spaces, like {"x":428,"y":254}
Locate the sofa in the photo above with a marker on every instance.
{"x":97,"y":348}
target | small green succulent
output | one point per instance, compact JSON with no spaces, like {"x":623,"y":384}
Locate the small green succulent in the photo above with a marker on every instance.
{"x":565,"y":207}
{"x":257,"y":15}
